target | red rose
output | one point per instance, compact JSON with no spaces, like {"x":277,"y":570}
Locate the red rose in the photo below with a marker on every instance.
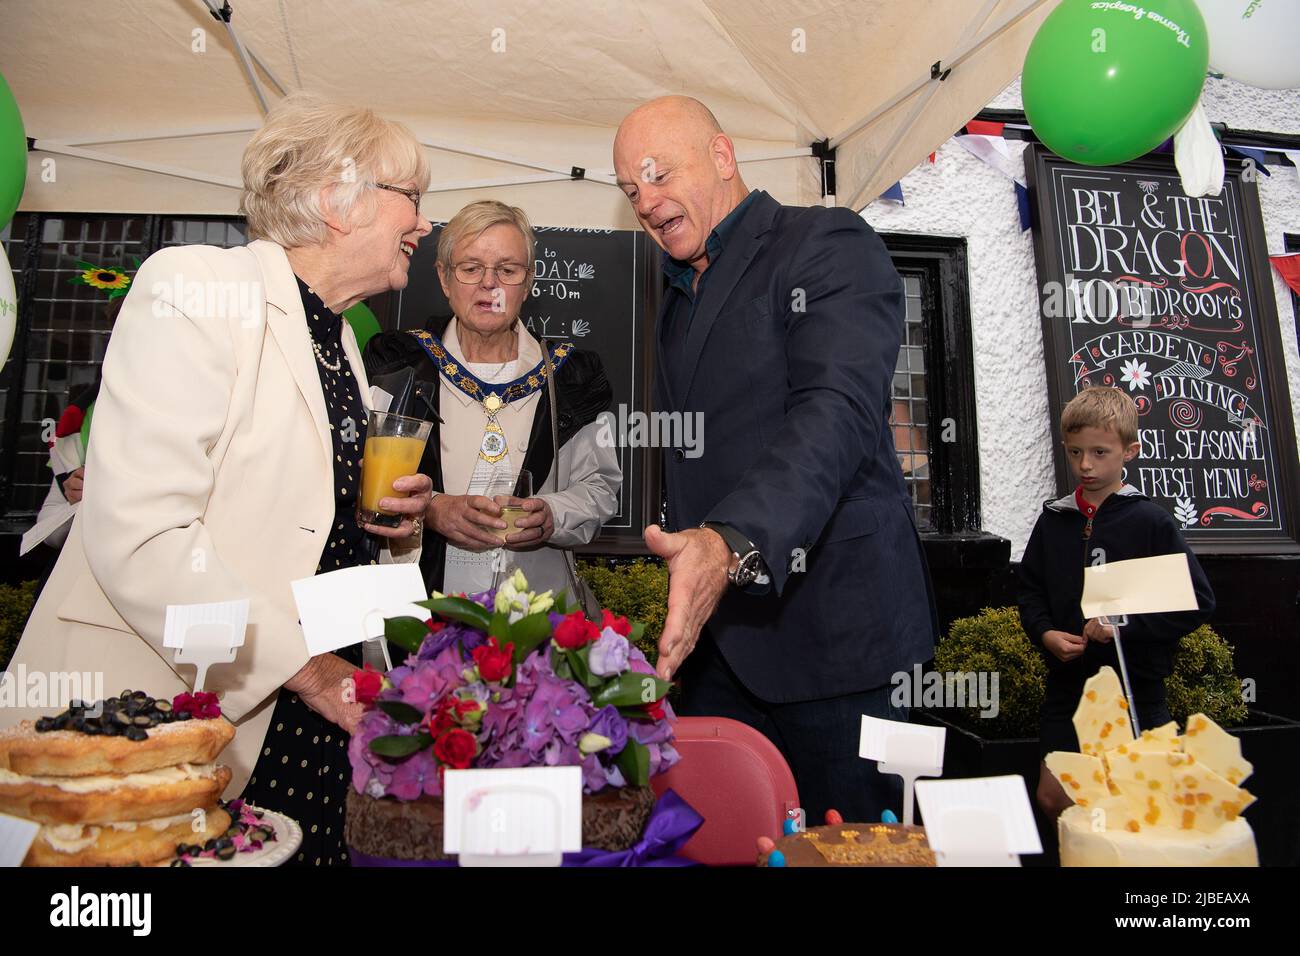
{"x":434,"y":626}
{"x":368,"y":684}
{"x":456,"y":748}
{"x":443,"y":718}
{"x":468,"y":706}
{"x":655,"y":708}
{"x":619,"y":624}
{"x":494,"y":661}
{"x":575,"y":631}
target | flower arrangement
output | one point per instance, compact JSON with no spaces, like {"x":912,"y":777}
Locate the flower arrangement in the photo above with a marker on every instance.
{"x":510,"y":678}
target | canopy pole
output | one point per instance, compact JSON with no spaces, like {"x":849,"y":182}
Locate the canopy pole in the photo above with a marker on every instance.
{"x":480,"y":153}
{"x":921,"y":103}
{"x":95,"y":139}
{"x":261,"y":65}
{"x":825,"y":154}
{"x":799,"y":152}
{"x":939,"y":72}
{"x":224,"y":15}
{"x":959,"y":56}
{"x":521,"y":180}
{"x":48,"y":146}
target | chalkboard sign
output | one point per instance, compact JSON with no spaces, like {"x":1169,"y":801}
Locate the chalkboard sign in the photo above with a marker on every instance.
{"x":1144,"y":288}
{"x":595,"y":288}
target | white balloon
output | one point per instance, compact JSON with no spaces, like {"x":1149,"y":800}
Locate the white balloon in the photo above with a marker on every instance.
{"x":8,"y":307}
{"x":1254,"y":41}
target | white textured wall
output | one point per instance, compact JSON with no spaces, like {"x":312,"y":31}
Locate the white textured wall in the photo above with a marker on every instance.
{"x":960,"y":196}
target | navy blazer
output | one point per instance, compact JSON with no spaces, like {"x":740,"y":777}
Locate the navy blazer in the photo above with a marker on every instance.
{"x":789,"y":360}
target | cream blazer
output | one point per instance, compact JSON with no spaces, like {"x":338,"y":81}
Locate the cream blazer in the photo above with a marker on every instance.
{"x":210,"y":478}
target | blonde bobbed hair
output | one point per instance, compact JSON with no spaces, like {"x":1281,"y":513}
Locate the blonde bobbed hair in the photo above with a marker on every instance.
{"x":307,"y":144}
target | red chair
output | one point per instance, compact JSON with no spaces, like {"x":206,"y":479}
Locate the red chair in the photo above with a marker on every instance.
{"x":738,"y":781}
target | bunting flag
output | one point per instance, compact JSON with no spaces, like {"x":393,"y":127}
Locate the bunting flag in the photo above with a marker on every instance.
{"x":894,"y":194}
{"x":1026,"y":211}
{"x":985,"y":128}
{"x":1294,"y":156}
{"x":990,"y":148}
{"x":1288,"y":267}
{"x":1256,"y":156}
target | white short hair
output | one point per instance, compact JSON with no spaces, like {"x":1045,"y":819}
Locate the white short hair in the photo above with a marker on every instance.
{"x":307,"y":144}
{"x":475,"y":219}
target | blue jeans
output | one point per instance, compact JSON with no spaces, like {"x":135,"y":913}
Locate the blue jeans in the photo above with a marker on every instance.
{"x":818,"y":738}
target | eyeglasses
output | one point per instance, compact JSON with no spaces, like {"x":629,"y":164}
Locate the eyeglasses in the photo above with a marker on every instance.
{"x":508,"y":273}
{"x":411,"y":194}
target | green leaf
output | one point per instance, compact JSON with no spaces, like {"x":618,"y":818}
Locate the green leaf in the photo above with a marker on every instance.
{"x":638,"y":629}
{"x":562,"y":666}
{"x":629,"y":690}
{"x":397,"y":746}
{"x":459,"y":609}
{"x":578,"y":664}
{"x":528,"y":634}
{"x":499,"y":627}
{"x":532,"y":629}
{"x":406,"y":632}
{"x":562,"y":602}
{"x":634,"y":761}
{"x":400,"y":711}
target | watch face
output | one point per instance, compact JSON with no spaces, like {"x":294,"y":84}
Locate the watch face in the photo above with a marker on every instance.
{"x":747,"y":569}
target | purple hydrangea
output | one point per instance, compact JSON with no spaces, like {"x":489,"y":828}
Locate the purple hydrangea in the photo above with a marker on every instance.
{"x":416,"y":776}
{"x":537,"y":721}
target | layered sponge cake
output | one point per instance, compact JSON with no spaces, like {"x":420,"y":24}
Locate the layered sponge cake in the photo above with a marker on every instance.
{"x":123,"y":781}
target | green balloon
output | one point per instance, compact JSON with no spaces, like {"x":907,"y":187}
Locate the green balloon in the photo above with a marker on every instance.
{"x":363,"y":322}
{"x":13,"y":154}
{"x":1103,"y":86}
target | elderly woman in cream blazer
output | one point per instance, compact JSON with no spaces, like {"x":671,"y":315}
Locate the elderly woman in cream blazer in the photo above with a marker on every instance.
{"x":226,"y":459}
{"x":488,"y":383}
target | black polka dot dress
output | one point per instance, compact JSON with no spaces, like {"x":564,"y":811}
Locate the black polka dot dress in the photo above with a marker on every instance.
{"x":303,"y":769}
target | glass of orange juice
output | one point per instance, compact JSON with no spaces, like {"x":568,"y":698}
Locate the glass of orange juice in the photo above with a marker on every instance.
{"x":394,"y":447}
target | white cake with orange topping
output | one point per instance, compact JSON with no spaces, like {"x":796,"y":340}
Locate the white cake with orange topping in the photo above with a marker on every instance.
{"x":1158,"y":799}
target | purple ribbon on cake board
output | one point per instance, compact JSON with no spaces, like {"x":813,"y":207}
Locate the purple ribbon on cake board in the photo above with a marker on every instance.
{"x":672,"y":823}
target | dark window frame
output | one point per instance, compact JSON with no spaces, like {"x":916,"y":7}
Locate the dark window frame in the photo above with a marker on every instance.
{"x":950,"y":378}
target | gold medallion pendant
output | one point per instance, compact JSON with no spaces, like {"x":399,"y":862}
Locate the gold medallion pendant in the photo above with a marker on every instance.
{"x":492,"y":403}
{"x":493,"y":447}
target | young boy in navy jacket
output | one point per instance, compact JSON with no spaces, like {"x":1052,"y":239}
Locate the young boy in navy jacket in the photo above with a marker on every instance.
{"x":1103,"y":520}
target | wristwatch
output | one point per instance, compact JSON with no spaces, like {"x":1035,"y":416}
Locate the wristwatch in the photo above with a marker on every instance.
{"x":748,"y":560}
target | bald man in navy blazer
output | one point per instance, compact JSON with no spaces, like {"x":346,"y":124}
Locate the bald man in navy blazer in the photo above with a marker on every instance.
{"x":798,"y":587}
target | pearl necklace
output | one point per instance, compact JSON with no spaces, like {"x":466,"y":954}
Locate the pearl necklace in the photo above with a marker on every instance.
{"x":320,"y":357}
{"x":338,"y":364}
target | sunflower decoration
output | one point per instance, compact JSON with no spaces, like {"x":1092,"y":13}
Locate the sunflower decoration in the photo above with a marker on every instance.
{"x":115,"y":282}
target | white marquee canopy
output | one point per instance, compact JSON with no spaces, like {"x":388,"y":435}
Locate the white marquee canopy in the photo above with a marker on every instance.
{"x":145,"y":105}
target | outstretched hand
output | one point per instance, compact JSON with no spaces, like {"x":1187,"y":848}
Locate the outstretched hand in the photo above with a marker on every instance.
{"x":697,"y":561}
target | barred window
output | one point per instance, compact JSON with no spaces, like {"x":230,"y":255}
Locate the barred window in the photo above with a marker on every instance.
{"x":933,"y":414}
{"x":63,"y":328}
{"x":910,"y":416}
